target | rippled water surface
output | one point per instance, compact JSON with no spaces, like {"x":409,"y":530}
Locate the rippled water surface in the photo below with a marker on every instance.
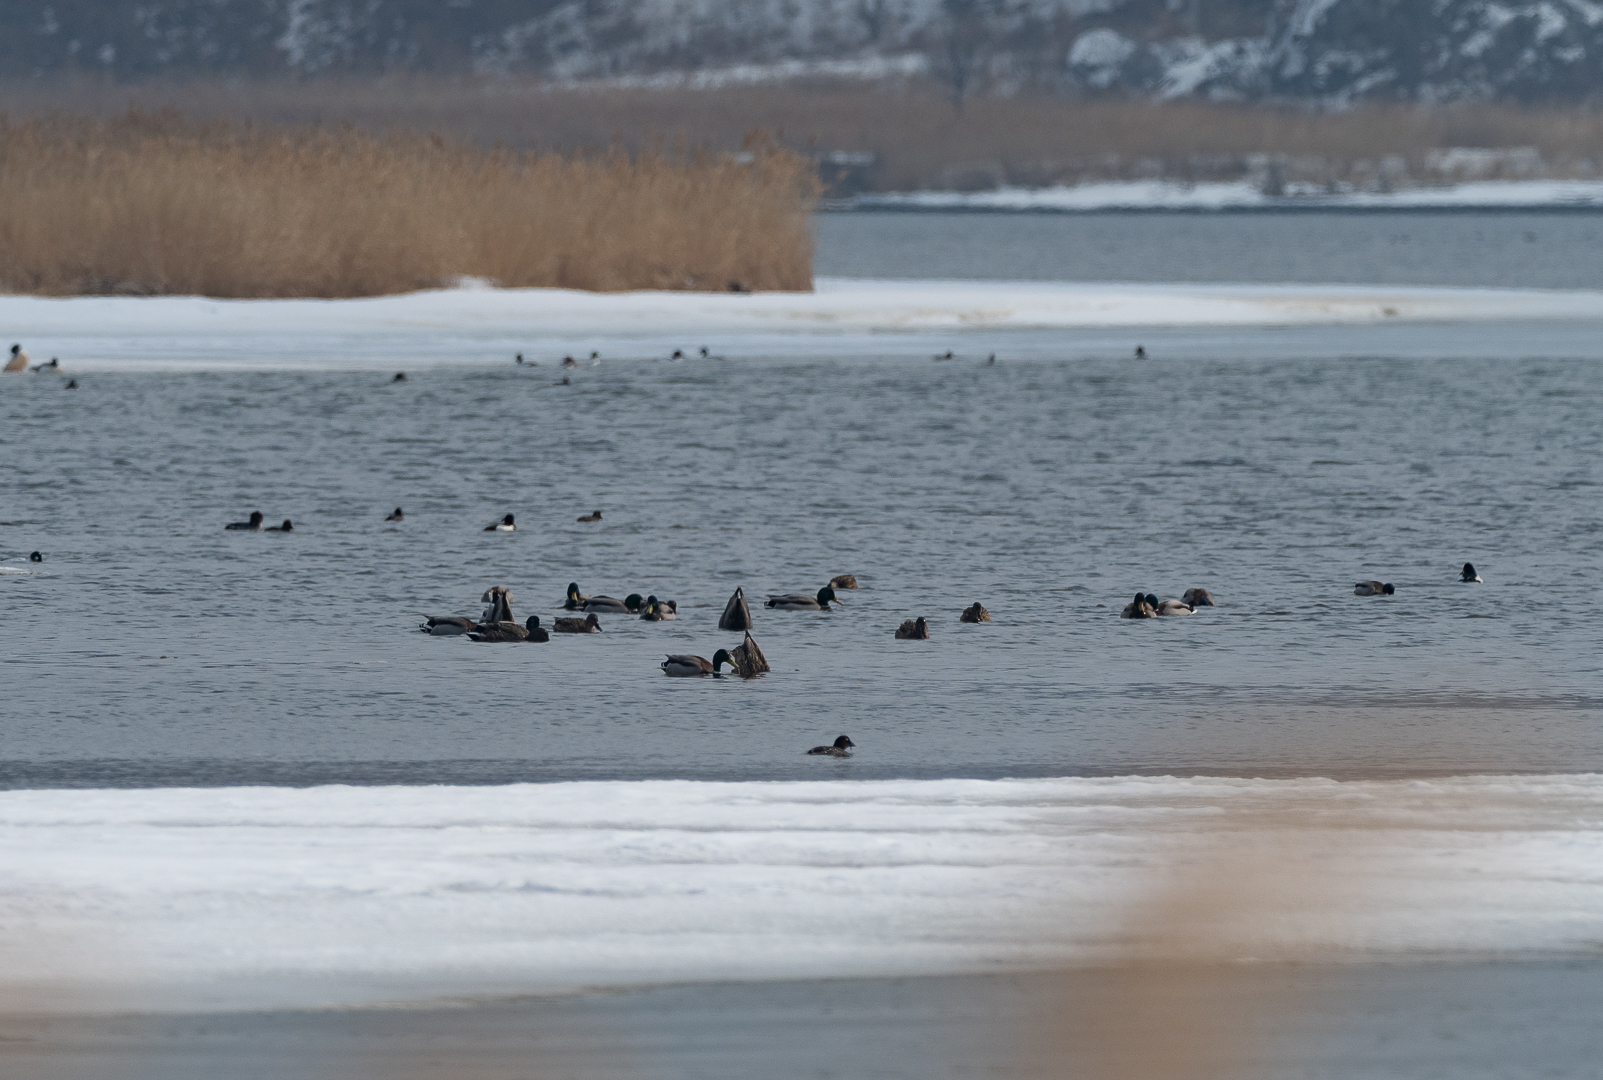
{"x":153,"y":647}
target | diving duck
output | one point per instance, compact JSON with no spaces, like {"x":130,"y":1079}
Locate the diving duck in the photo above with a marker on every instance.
{"x":1469,"y":576}
{"x":587,"y":625}
{"x":736,"y":616}
{"x":842,"y":747}
{"x":803,"y":602}
{"x":685,"y":664}
{"x":975,"y":613}
{"x":253,"y":525}
{"x":1374,"y":588}
{"x":914,"y":630}
{"x":506,"y":524}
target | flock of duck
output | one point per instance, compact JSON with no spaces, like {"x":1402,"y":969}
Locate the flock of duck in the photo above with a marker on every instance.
{"x":497,"y":623}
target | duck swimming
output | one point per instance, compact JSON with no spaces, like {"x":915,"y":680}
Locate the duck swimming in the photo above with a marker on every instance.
{"x":1373,"y":588}
{"x":288,"y":526}
{"x":608,"y":604}
{"x":803,"y":602}
{"x":736,"y":616}
{"x":499,"y":610}
{"x":914,"y":630}
{"x":34,"y":556}
{"x":660,"y":610}
{"x":511,"y":631}
{"x":398,"y":515}
{"x":1469,"y":576}
{"x":587,"y":625}
{"x":18,"y":361}
{"x":1139,"y":608}
{"x":842,"y":747}
{"x":253,"y":525}
{"x":504,"y":525}
{"x":1197,"y":598}
{"x":974,"y":614}
{"x":575,"y":598}
{"x":684,"y":664}
{"x":594,"y":515}
{"x":1169,"y":607}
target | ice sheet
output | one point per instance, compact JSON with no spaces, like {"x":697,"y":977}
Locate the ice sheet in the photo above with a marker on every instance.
{"x":263,"y":897}
{"x":488,"y":325}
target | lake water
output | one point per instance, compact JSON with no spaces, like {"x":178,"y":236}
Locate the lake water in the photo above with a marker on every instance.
{"x":1273,"y":465}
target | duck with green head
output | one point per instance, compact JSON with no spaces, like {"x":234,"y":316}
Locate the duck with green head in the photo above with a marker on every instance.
{"x":803,"y":602}
{"x":683,"y":664}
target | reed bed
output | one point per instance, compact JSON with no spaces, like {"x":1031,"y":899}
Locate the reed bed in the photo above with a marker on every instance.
{"x":153,"y":204}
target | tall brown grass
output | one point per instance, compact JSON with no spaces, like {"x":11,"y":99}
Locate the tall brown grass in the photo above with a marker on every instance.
{"x":149,"y":204}
{"x":919,"y":140}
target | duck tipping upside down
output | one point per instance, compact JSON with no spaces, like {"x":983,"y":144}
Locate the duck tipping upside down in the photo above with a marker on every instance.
{"x":737,"y":615}
{"x":914,"y":630}
{"x":803,"y":602}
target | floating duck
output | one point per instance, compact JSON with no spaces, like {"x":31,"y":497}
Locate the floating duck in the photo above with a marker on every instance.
{"x":1171,"y":607}
{"x":610,"y":605}
{"x":34,"y":556}
{"x":18,"y":361}
{"x":506,"y":524}
{"x":660,"y":610}
{"x":736,"y":616}
{"x":914,"y":630}
{"x":398,"y":515}
{"x":685,"y":664}
{"x":1139,"y":608}
{"x":288,"y":526}
{"x":1373,"y":588}
{"x":843,"y":581}
{"x":448,"y":625}
{"x":803,"y":602}
{"x":400,"y":376}
{"x":498,"y":599}
{"x":592,"y":516}
{"x":842,"y":747}
{"x":587,"y":625}
{"x":975,"y":613}
{"x":53,"y":365}
{"x":575,"y":599}
{"x":1469,"y":576}
{"x":253,"y":525}
{"x":1197,"y":598}
{"x":511,"y":631}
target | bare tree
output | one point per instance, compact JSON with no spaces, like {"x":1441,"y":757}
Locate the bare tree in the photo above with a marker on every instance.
{"x":872,"y":14}
{"x":964,"y":39}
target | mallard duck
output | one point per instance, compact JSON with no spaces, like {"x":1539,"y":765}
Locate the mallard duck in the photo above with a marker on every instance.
{"x":1197,"y":598}
{"x":506,"y":524}
{"x":253,"y":525}
{"x":499,"y":599}
{"x":1373,"y":588}
{"x":288,"y":526}
{"x":843,"y":581}
{"x":398,"y":515}
{"x":575,"y":599}
{"x":587,"y":625}
{"x":748,"y":659}
{"x":18,"y":361}
{"x":736,"y":616}
{"x":842,"y":747}
{"x":1173,"y":607}
{"x":593,"y":516}
{"x":803,"y":602}
{"x":511,"y":631}
{"x":448,"y":625}
{"x":609,"y":604}
{"x":1469,"y":576}
{"x":976,"y":613}
{"x":914,"y":630}
{"x":685,"y":664}
{"x":660,"y":610}
{"x":1139,"y":608}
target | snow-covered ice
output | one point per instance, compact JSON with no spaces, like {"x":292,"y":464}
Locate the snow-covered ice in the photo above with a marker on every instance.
{"x":260,"y":897}
{"x":487,"y":325}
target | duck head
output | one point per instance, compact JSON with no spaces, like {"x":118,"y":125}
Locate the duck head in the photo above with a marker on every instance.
{"x":1469,"y":573}
{"x":34,"y":556}
{"x":843,"y":743}
{"x":633,"y":603}
{"x":1388,"y":589}
{"x":532,"y":624}
{"x":508,"y":520}
{"x":256,"y":518}
{"x":573,"y":600}
{"x":1151,"y":600}
{"x":593,"y":623}
{"x":825,"y":595}
{"x":720,"y":658}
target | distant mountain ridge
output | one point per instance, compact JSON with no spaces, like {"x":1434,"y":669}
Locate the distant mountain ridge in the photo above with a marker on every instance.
{"x":1333,"y":51}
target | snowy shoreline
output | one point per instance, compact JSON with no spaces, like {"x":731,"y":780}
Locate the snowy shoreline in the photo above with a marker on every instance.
{"x":1169,"y":195}
{"x":486,"y":325}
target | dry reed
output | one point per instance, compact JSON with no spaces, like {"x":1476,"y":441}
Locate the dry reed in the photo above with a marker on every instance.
{"x":151,"y":204}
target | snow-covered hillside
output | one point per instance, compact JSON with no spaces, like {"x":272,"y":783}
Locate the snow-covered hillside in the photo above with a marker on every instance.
{"x":1330,"y":50}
